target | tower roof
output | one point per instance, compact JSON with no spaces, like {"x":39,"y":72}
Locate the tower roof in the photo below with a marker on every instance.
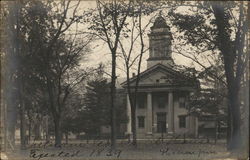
{"x":160,"y":22}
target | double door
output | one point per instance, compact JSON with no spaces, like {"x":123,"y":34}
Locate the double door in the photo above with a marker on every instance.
{"x":161,"y":122}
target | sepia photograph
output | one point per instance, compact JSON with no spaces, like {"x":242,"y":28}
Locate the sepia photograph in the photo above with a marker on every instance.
{"x":124,"y":80}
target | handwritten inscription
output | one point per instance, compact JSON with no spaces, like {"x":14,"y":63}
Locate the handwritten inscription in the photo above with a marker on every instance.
{"x":50,"y":144}
{"x":102,"y":148}
{"x":174,"y":140}
{"x":168,"y":151}
{"x":105,"y":152}
{"x":37,"y":154}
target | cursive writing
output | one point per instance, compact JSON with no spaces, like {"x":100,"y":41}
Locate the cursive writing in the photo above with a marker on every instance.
{"x":37,"y":154}
{"x":168,"y":151}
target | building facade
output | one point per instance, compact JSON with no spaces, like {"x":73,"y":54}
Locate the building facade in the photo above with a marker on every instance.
{"x":163,"y":91}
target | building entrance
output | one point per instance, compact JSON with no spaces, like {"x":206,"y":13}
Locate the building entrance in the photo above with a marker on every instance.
{"x":161,"y":122}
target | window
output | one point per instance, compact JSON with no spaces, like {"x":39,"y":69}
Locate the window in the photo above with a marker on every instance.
{"x":141,"y":101}
{"x":161,"y":102}
{"x":182,"y":102}
{"x":182,"y":121}
{"x":141,"y":123}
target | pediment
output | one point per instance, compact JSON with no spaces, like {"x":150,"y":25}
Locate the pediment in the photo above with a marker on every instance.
{"x":155,"y":77}
{"x":160,"y":75}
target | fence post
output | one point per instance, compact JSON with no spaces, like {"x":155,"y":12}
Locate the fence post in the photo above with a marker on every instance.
{"x":216,"y":131}
{"x":162,"y":125}
{"x":184,"y":137}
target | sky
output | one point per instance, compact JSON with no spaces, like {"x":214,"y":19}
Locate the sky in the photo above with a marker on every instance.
{"x":99,"y":51}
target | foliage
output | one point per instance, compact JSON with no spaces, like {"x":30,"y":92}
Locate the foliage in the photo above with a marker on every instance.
{"x":207,"y":101}
{"x":212,"y":26}
{"x":89,"y":106}
{"x":96,"y":110}
{"x":46,"y":57}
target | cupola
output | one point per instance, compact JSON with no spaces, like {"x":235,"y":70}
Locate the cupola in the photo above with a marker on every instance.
{"x":160,"y":43}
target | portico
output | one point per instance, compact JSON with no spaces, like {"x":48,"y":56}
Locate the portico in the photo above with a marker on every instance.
{"x":158,"y":114}
{"x":150,"y":114}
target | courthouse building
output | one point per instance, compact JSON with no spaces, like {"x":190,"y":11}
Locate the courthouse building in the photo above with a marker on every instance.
{"x":163,"y":91}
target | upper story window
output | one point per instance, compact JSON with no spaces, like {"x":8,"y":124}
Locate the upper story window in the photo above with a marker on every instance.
{"x":182,"y":103}
{"x":160,"y":99}
{"x":141,"y":101}
{"x":141,"y":121}
{"x":161,"y":102}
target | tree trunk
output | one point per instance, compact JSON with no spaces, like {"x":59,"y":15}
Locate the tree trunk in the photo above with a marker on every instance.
{"x":233,"y":76}
{"x":11,"y":119}
{"x":58,"y":133}
{"x":55,"y":113}
{"x":113,"y":109}
{"x":47,"y":128}
{"x":229,"y":127}
{"x":132,"y":100}
{"x":133,"y":123}
{"x":235,"y":120}
{"x":37,"y":131}
{"x":4,"y":127}
{"x":22,"y":127}
{"x":22,"y":113}
{"x":29,"y":130}
{"x":67,"y":137}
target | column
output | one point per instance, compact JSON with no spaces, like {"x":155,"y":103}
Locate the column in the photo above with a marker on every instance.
{"x":149,"y":113}
{"x":170,"y":116}
{"x":129,"y":130}
{"x":196,"y":127}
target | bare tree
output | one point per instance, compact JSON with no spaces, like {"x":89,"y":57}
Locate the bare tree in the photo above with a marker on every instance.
{"x":137,"y":33}
{"x":109,"y":23}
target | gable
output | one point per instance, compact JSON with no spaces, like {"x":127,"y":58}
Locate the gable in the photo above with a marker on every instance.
{"x":162,"y":76}
{"x":157,"y":76}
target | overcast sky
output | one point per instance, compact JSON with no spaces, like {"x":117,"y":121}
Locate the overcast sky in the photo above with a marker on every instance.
{"x":101,"y":53}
